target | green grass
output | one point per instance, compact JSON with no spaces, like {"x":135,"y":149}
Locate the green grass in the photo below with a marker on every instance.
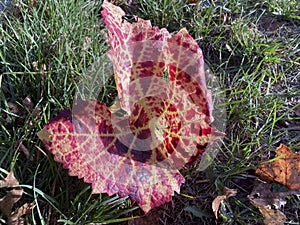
{"x":252,"y":48}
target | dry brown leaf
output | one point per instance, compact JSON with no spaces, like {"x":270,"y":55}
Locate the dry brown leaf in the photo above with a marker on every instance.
{"x":285,"y":170}
{"x":269,"y":203}
{"x":8,"y":201}
{"x":11,"y":197}
{"x":16,"y":217}
{"x":9,"y":181}
{"x":272,"y":217}
{"x":218,"y":200}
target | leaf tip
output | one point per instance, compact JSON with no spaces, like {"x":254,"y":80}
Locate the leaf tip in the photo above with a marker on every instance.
{"x":44,"y":135}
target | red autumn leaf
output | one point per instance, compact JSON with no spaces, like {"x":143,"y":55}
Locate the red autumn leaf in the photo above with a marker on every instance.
{"x":161,"y":86}
{"x":88,"y":144}
{"x":141,"y":55}
{"x":139,"y":51}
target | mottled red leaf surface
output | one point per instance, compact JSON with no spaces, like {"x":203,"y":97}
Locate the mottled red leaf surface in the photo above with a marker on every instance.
{"x":161,"y":87}
{"x":142,"y":55}
{"x":88,"y":144}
